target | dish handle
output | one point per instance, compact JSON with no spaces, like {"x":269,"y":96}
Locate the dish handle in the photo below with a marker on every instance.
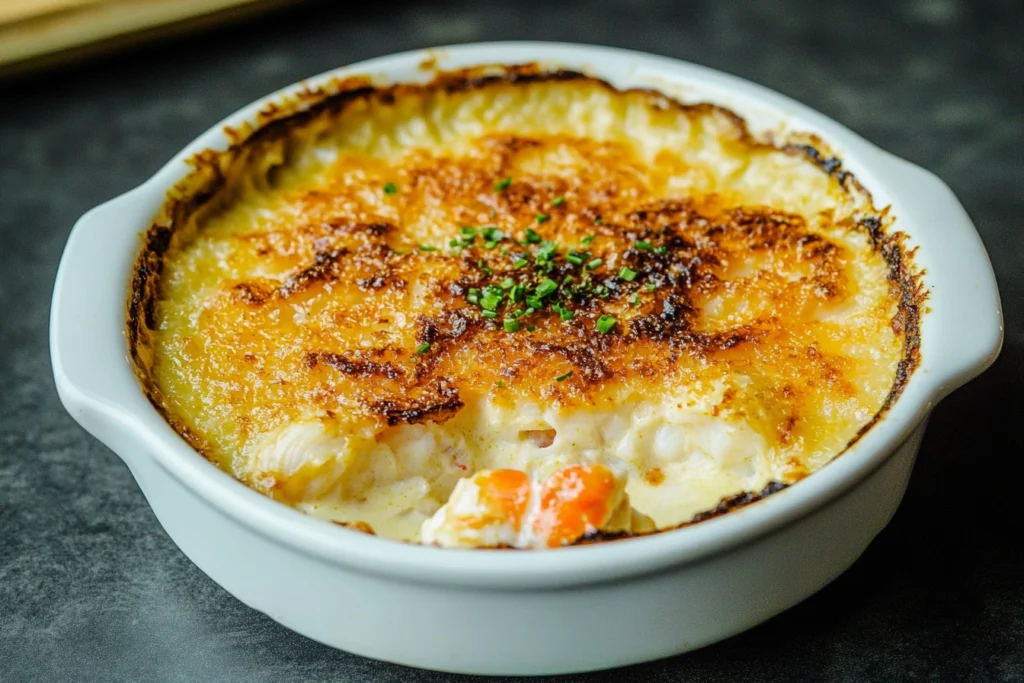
{"x":88,"y":349}
{"x":963,"y":330}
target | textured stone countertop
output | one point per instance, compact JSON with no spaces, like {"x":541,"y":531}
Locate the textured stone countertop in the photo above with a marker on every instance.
{"x":92,"y":589}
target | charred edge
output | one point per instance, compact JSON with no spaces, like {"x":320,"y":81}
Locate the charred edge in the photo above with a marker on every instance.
{"x":831,"y":165}
{"x":440,"y":406}
{"x":907,"y":320}
{"x":354,"y":367}
{"x":606,"y":536}
{"x":276,"y":122}
{"x":735,"y":502}
{"x":278,"y":128}
{"x":136,"y":303}
{"x":158,"y":241}
{"x":873,"y":226}
{"x":512,"y":75}
{"x":727,"y":505}
{"x":149,"y":267}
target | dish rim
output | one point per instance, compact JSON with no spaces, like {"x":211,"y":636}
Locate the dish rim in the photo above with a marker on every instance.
{"x":113,"y":408}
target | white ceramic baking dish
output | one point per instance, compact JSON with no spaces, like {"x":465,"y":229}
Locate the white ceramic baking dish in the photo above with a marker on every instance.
{"x":502,"y":612}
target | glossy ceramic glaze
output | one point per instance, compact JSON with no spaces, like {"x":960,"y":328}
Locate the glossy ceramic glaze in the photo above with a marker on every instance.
{"x":500,"y":612}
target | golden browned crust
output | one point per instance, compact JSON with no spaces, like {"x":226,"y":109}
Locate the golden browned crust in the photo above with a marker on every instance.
{"x":692,"y":239}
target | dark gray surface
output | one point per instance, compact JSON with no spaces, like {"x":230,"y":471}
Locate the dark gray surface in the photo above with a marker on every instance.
{"x":91,"y":589}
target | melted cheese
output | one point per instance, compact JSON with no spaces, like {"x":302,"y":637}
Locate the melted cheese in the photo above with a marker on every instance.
{"x":316,"y":332}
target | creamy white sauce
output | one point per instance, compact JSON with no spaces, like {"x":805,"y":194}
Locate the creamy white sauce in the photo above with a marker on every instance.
{"x":399,"y":480}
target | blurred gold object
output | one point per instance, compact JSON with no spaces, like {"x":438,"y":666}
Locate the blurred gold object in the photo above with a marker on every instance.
{"x":38,"y":32}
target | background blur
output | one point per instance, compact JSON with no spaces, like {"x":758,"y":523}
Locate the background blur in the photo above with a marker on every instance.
{"x":91,"y":589}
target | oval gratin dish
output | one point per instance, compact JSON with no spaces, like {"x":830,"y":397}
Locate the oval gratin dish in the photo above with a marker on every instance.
{"x":594,"y":606}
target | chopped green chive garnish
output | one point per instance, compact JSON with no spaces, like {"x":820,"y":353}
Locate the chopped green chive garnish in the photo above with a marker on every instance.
{"x":502,"y":184}
{"x":546,"y":286}
{"x":558,"y":201}
{"x":454,"y":244}
{"x":489,"y":314}
{"x":650,"y":286}
{"x":473,"y":295}
{"x":627,"y":274}
{"x":507,"y":283}
{"x":574,"y":259}
{"x":490,"y":302}
{"x":597,"y":221}
{"x":516,"y":292}
{"x":531,"y":328}
{"x":605,"y":324}
{"x":661,"y":250}
{"x":587,"y":240}
{"x":519,"y":263}
{"x":534,"y":303}
{"x":562,"y":311}
{"x":500,"y":384}
{"x":490,"y":244}
{"x":492,"y":234}
{"x":532,"y":237}
{"x":596,"y":263}
{"x":568,"y":279}
{"x":511,"y":325}
{"x":390,"y":188}
{"x":422,"y":348}
{"x":643,"y":244}
{"x":467,"y":231}
{"x":601,"y":291}
{"x":635,"y":299}
{"x":427,"y":247}
{"x":542,"y":217}
{"x":545,"y":251}
{"x":562,"y":378}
